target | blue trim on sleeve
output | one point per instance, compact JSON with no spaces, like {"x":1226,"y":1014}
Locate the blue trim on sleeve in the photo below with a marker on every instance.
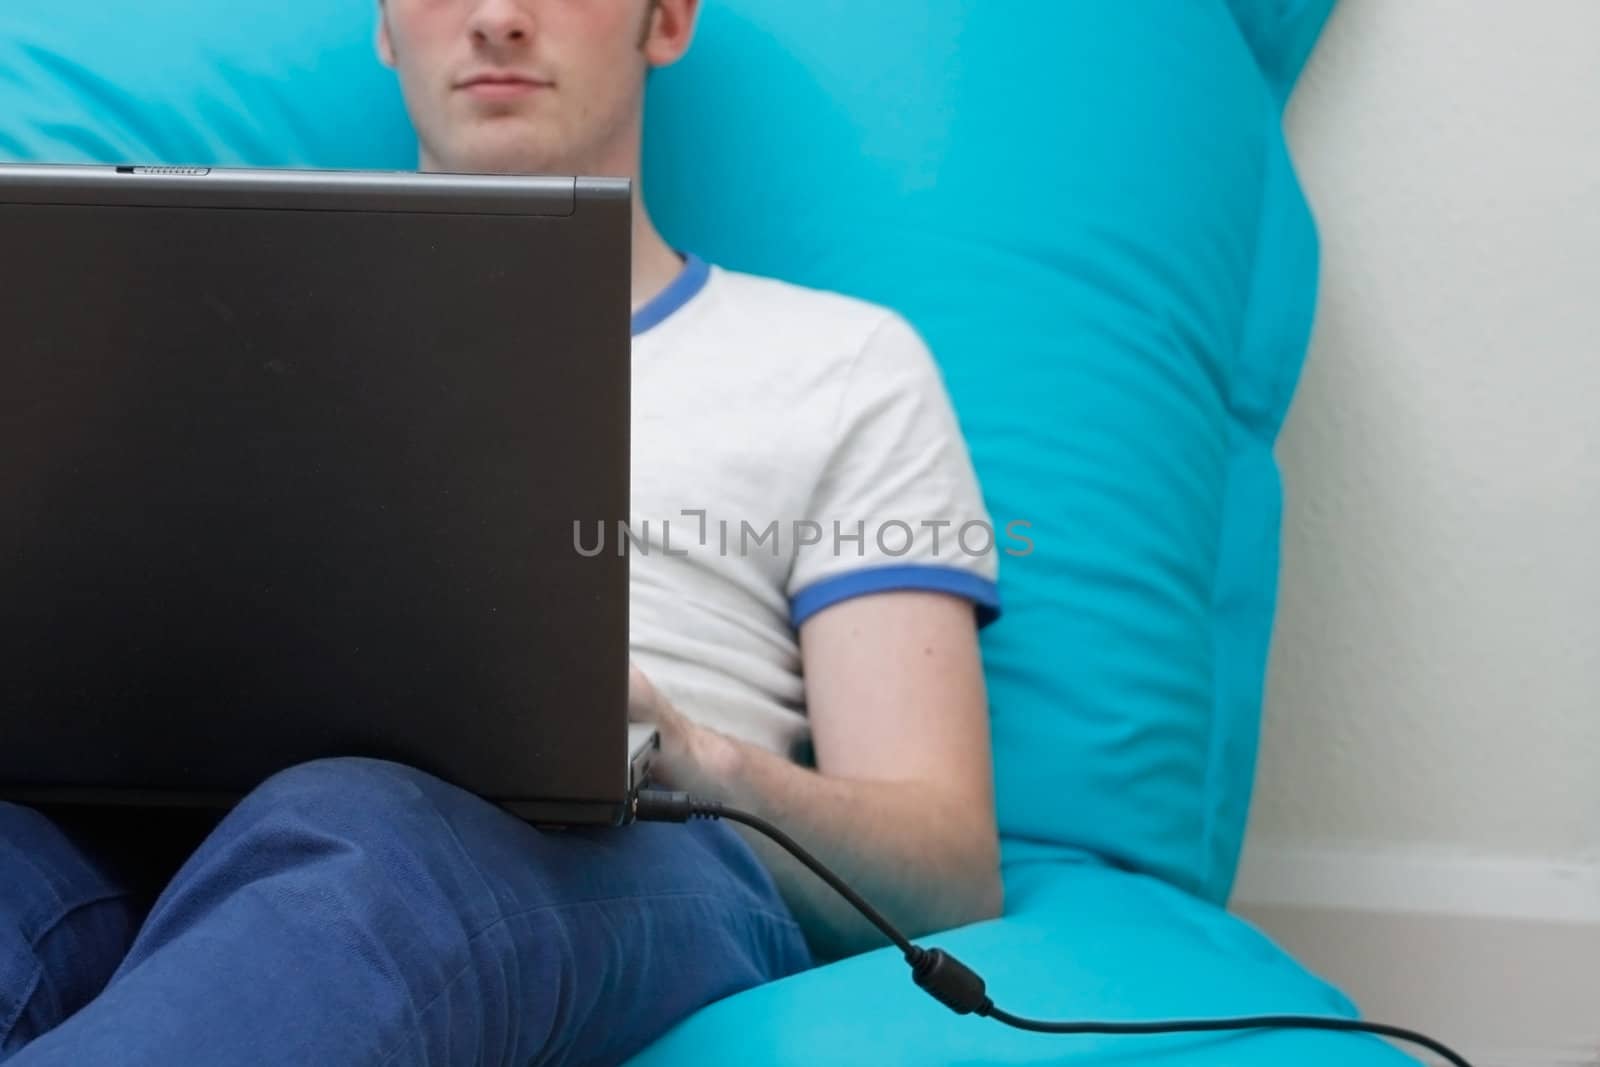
{"x":829,"y":591}
{"x":690,"y":280}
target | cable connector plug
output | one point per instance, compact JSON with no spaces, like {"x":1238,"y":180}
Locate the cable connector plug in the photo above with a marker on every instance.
{"x":663,"y":805}
{"x":948,"y":980}
{"x":671,"y":805}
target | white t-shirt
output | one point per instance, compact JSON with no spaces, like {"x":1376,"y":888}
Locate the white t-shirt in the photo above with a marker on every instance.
{"x":771,"y":425}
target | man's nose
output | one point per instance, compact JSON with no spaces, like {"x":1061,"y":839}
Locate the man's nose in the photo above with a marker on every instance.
{"x":501,"y":23}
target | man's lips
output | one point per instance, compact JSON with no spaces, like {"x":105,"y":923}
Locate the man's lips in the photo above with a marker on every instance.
{"x":497,"y":86}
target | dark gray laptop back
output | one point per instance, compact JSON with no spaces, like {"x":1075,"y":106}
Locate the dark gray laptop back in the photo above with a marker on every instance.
{"x":289,"y":467}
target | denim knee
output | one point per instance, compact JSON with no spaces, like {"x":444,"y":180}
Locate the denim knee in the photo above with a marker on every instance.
{"x":388,"y":828}
{"x":341,"y":791}
{"x":372,"y":821}
{"x":393,"y":856}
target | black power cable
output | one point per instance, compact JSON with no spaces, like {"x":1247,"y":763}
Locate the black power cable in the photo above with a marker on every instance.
{"x":962,"y":990}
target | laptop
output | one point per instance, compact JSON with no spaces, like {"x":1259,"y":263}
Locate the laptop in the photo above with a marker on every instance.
{"x":294,"y":465}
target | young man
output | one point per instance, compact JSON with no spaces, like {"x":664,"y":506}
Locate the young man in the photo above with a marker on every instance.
{"x":359,"y":912}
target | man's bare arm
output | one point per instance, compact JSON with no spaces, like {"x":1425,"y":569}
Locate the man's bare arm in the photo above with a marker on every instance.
{"x":902,"y":802}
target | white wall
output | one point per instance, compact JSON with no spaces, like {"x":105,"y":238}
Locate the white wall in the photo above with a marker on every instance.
{"x":1432,"y":739}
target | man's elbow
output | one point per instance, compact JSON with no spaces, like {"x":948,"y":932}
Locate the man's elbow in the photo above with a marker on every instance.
{"x":991,"y":898}
{"x":989,"y":895}
{"x":983,"y":894}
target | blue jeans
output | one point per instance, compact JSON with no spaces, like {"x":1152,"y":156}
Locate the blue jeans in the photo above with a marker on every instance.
{"x":360,"y":912}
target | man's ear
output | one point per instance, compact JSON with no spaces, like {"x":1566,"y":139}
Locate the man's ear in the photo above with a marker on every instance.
{"x":384,"y":43}
{"x":671,"y":30}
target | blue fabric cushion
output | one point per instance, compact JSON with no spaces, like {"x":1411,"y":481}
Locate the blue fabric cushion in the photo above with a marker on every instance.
{"x":1089,"y":212}
{"x":292,"y":83}
{"x":1079,"y":941}
{"x":1281,"y":33}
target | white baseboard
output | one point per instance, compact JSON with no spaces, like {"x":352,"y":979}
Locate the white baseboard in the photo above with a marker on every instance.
{"x":1434,"y":884}
{"x":1499,"y":957}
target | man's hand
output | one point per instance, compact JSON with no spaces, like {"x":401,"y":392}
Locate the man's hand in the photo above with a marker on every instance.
{"x":692,"y":756}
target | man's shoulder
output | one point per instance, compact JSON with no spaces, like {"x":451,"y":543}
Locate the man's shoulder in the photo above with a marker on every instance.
{"x":796,"y":316}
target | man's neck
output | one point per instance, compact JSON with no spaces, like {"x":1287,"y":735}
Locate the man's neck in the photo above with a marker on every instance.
{"x":655,"y":264}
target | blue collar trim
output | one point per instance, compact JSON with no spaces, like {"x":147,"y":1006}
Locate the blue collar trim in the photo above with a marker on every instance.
{"x":690,"y":280}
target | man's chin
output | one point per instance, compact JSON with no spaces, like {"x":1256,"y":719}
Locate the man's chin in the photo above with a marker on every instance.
{"x":497,"y":152}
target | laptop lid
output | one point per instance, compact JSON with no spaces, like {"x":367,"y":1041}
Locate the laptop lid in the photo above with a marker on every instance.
{"x":290,"y":464}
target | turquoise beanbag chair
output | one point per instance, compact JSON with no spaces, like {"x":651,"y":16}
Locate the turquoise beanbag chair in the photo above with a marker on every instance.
{"x":1088,"y":209}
